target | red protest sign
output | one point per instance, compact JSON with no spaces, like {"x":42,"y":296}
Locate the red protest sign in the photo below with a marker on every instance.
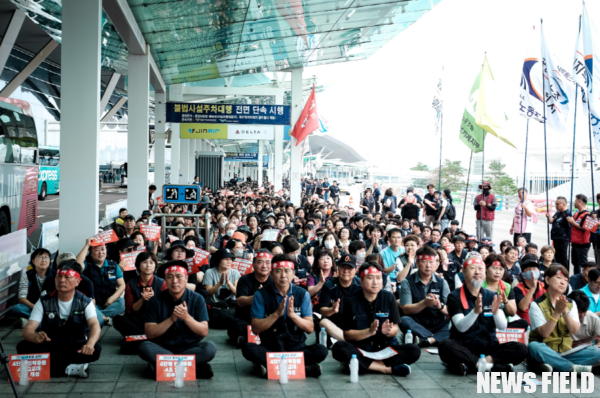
{"x":104,"y":237}
{"x":151,"y":232}
{"x":200,"y":259}
{"x":172,"y":238}
{"x":249,"y":194}
{"x":449,"y":247}
{"x":311,"y":259}
{"x":160,"y":202}
{"x":504,"y":336}
{"x":590,"y":224}
{"x":129,"y":259}
{"x":253,"y":338}
{"x":165,"y":367}
{"x":230,"y":193}
{"x":295,"y":366}
{"x":244,"y":267}
{"x":38,"y":364}
{"x":223,"y":192}
{"x":139,"y":337}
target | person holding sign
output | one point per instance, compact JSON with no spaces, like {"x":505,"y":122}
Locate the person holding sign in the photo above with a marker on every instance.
{"x":475,"y":315}
{"x":580,"y":237}
{"x":69,"y":329}
{"x":554,"y":318}
{"x":282,"y":315}
{"x":176,"y":322}
{"x":126,"y":246}
{"x":370,"y":323}
{"x":247,"y":287}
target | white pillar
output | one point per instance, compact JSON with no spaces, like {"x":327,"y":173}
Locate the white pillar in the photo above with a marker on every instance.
{"x":137,"y":136}
{"x":80,"y":112}
{"x":296,"y":151}
{"x":278,"y":161}
{"x":184,"y":161}
{"x":175,"y":95}
{"x":260,"y":162}
{"x":192,"y":160}
{"x":159,"y":142}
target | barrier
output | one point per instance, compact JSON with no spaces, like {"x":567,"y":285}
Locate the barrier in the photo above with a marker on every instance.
{"x":197,"y":227}
{"x":111,"y":213}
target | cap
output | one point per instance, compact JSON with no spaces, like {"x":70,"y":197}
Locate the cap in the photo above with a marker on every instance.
{"x":219,"y":255}
{"x":64,"y":257}
{"x":472,"y":238}
{"x":128,"y":217}
{"x":487,"y":242}
{"x":126,"y":243}
{"x":348,"y":259}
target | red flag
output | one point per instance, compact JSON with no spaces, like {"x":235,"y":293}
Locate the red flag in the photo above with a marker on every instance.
{"x":308,"y":120}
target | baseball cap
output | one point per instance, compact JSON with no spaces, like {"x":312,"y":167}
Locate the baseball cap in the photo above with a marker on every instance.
{"x":64,"y":257}
{"x":348,"y":259}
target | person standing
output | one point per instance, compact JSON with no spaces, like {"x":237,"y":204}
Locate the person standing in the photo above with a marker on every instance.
{"x":580,"y":237}
{"x":485,"y":205}
{"x":334,"y":191}
{"x":368,"y":202}
{"x":325,"y":187}
{"x":376,"y":196}
{"x":560,"y":232}
{"x":523,"y":219}
{"x":446,"y":204}
{"x":431,"y":206}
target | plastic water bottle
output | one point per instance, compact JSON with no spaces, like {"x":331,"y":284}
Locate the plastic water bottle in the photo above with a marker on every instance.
{"x":179,"y":371}
{"x":481,"y":364}
{"x":354,"y":369}
{"x":408,"y":337}
{"x":24,"y":375}
{"x":323,"y":337}
{"x":527,"y":335}
{"x":283,"y":368}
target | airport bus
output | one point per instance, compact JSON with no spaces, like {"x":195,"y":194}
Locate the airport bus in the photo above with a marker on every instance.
{"x":49,"y":176}
{"x":18,"y":170}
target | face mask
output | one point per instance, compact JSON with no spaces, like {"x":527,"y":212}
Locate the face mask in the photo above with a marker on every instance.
{"x":239,"y":253}
{"x":486,"y":191}
{"x":361,"y":256}
{"x":230,"y":232}
{"x":223,"y":224}
{"x":527,"y":275}
{"x":329,"y":245}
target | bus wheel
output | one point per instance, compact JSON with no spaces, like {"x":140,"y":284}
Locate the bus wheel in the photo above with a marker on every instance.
{"x":4,"y":225}
{"x":44,"y":193}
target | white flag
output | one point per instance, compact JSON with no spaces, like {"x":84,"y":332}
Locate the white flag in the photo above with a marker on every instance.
{"x":558,"y":90}
{"x":530,"y":95}
{"x":579,"y":72}
{"x":437,"y":106}
{"x":591,"y":55}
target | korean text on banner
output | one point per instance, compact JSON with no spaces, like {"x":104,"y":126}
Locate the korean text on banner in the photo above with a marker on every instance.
{"x":295,"y":362}
{"x":449,"y":248}
{"x":165,"y":367}
{"x":152,"y":232}
{"x":253,"y":338}
{"x":279,"y":115}
{"x":504,"y":336}
{"x":39,"y":366}
{"x":590,"y":224}
{"x":269,"y":235}
{"x":530,"y":95}
{"x":244,"y":267}
{"x":200,"y":259}
{"x":160,"y":202}
{"x":103,"y":238}
{"x":139,"y":337}
{"x":129,"y":259}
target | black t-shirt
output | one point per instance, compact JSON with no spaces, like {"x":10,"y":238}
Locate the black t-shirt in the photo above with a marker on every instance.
{"x":349,"y":319}
{"x":428,"y":210}
{"x":560,"y":225}
{"x":86,"y":287}
{"x":452,"y":256}
{"x":334,"y":191}
{"x":455,"y":306}
{"x":411,"y":210}
{"x":248,"y":285}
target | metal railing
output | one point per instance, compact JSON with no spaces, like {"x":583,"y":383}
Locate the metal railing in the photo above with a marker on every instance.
{"x":197,"y":227}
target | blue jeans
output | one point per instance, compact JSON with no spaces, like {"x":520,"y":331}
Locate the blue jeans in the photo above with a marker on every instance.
{"x":540,"y":352}
{"x":116,"y":308}
{"x":445,"y":224}
{"x":21,"y":311}
{"x":439,"y":332}
{"x":326,"y":196}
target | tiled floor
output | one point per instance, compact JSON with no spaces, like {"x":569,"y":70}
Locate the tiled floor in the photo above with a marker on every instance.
{"x":121,"y":376}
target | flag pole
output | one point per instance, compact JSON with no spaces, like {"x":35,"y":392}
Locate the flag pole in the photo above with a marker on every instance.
{"x":525,"y":170}
{"x":440,"y":173}
{"x":545,"y":137}
{"x":572,"y":171}
{"x":466,"y":190}
{"x":592,"y":169}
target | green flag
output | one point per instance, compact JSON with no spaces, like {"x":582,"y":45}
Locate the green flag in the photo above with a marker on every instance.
{"x":470,"y":133}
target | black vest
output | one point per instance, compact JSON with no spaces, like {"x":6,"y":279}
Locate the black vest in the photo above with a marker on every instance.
{"x":358,"y":306}
{"x":33,"y":292}
{"x":104,"y":286}
{"x":283,"y":334}
{"x":136,"y":293}
{"x":482,"y":334}
{"x":430,"y":316}
{"x":75,"y":329}
{"x":336,"y":293}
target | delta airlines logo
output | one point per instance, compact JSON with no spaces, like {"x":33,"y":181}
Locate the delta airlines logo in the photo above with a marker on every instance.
{"x":249,"y":132}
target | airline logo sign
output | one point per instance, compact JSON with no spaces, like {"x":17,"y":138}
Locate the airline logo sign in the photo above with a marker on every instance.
{"x":226,"y":131}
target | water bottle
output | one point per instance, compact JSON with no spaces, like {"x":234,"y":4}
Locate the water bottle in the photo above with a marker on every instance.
{"x":179,"y":371}
{"x":24,"y":375}
{"x":408,"y":337}
{"x":354,"y":369}
{"x":527,"y":335}
{"x":283,"y":368}
{"x":481,"y":364}
{"x":323,"y":337}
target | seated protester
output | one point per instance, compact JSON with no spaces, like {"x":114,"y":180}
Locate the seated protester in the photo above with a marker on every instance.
{"x":459,"y":254}
{"x":236,"y":247}
{"x":176,"y":321}
{"x":406,"y":263}
{"x":394,"y":249}
{"x":126,"y":246}
{"x":546,"y":260}
{"x":472,"y":243}
{"x":275,"y":248}
{"x":375,"y":244}
{"x":301,"y":264}
{"x":358,"y":249}
{"x":530,"y":288}
{"x":423,"y":298}
{"x":521,"y":244}
{"x":370,"y":323}
{"x":578,"y":281}
{"x":244,"y":234}
{"x":554,"y":318}
{"x":475,"y":315}
{"x":590,"y":323}
{"x":137,"y":293}
{"x":179,"y":251}
{"x":221,"y":287}
{"x":436,"y":236}
{"x":246,"y":287}
{"x":192,"y":241}
{"x":387,"y":281}
{"x":531,"y":248}
{"x":511,"y":259}
{"x":405,"y":227}
{"x":495,"y":272}
{"x":487,"y":241}
{"x":35,"y":283}
{"x":324,"y":268}
{"x":333,"y":295}
{"x":69,"y":329}
{"x":282,"y":315}
{"x":107,"y":279}
{"x":592,"y":290}
{"x":309,"y":248}
{"x":140,"y":239}
{"x":329,"y":242}
{"x":447,"y":269}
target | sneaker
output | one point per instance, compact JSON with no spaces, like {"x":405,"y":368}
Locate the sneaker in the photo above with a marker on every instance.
{"x":313,"y":370}
{"x":24,"y":322}
{"x":503,"y":368}
{"x":259,"y":370}
{"x":582,"y":368}
{"x":425,"y":343}
{"x":78,"y":370}
{"x":109,"y":321}
{"x":401,"y":370}
{"x":544,"y":367}
{"x":204,"y":371}
{"x":460,"y":370}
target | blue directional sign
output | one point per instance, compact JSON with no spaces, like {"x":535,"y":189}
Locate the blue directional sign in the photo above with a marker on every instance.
{"x":186,"y":194}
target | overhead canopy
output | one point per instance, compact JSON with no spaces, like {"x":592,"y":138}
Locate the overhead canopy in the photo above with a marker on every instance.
{"x":332,"y":148}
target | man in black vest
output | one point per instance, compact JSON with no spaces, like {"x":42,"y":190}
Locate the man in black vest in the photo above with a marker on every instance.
{"x":176,"y":322}
{"x":423,"y":301}
{"x":370,"y":323}
{"x":247,"y":286}
{"x":69,"y":329}
{"x":282,"y":315}
{"x":475,"y":314}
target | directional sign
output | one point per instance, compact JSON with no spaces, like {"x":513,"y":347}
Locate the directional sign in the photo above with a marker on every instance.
{"x":186,"y":194}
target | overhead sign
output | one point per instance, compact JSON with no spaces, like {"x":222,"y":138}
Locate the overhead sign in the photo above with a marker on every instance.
{"x":276,"y":115}
{"x":187,"y":194}
{"x":254,"y":164}
{"x":233,"y":156}
{"x":226,"y":132}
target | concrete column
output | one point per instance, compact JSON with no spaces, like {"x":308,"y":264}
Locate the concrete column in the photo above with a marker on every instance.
{"x":296,"y":151}
{"x":278,"y":161}
{"x":192,"y":160}
{"x":260,"y":162}
{"x":80,"y":112}
{"x":159,"y":142}
{"x":175,"y":95}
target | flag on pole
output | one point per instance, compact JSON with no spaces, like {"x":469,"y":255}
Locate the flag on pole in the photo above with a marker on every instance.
{"x":531,"y":104}
{"x":579,"y":71}
{"x":308,"y":120}
{"x":482,"y":115}
{"x":591,"y":55}
{"x":437,"y":106}
{"x":558,"y":89}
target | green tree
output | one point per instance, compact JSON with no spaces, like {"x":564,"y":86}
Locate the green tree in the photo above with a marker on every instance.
{"x":420,"y":182}
{"x":420,"y":167}
{"x":501,"y":183}
{"x":452,"y":176}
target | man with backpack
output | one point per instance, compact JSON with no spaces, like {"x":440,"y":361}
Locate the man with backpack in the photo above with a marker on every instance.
{"x":485,"y":205}
{"x":580,"y":237}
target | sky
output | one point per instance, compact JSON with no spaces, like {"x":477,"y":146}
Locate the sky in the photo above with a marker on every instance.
{"x":381,"y":106}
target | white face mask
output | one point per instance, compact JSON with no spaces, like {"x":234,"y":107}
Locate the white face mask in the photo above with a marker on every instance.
{"x":329,"y":244}
{"x":230,"y":232}
{"x":239,"y":253}
{"x":361,"y":256}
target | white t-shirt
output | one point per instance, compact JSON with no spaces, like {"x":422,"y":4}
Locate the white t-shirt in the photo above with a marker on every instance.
{"x":64,"y":308}
{"x":537,"y":319}
{"x":529,"y":227}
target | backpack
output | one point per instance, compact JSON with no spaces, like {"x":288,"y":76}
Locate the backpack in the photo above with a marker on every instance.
{"x":450,"y":211}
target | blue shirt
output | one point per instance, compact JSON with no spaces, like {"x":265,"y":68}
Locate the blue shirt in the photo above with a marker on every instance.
{"x":594,"y":305}
{"x":258,"y":305}
{"x":389,"y":256}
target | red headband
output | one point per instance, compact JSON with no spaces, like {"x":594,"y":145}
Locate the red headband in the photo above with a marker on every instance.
{"x":370,"y":271}
{"x":496,"y":264}
{"x":283,"y":264}
{"x":473,"y":260}
{"x":176,"y":268}
{"x":559,"y":272}
{"x":69,"y":272}
{"x":264,"y":255}
{"x":425,"y":257}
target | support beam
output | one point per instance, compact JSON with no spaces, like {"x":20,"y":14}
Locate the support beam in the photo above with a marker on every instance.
{"x":156,"y":79}
{"x":137,"y":136}
{"x":159,"y":142}
{"x":14,"y":84}
{"x":113,"y":111}
{"x":80,"y":106}
{"x":192,"y":159}
{"x":278,"y":161}
{"x":296,"y":151}
{"x":10,"y":36}
{"x":122,"y":18}
{"x":109,"y":90}
{"x":175,"y":94}
{"x":260,"y":163}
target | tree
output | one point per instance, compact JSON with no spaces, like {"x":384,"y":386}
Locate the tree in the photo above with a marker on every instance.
{"x":452,"y":176}
{"x":502,"y":184}
{"x":420,"y":167}
{"x":420,"y":182}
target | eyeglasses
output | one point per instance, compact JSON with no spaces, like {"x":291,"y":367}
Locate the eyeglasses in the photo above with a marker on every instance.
{"x":43,"y":258}
{"x":128,"y":250}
